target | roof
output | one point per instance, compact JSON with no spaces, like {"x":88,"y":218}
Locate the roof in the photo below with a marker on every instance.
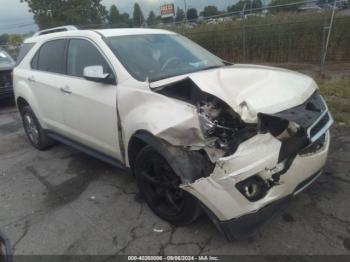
{"x":131,"y":31}
{"x":104,"y":32}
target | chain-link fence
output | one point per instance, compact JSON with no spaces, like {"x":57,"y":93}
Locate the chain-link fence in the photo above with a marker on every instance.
{"x":301,"y":32}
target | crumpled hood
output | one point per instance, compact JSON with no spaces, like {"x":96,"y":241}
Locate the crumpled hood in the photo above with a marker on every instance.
{"x":252,"y":89}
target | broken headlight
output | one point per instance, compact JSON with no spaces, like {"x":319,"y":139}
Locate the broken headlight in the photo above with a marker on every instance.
{"x":220,"y":123}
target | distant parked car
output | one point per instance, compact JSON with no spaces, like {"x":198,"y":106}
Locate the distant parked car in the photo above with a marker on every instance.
{"x":6,"y":66}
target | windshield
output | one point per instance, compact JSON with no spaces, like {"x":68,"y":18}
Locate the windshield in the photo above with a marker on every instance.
{"x":160,"y":56}
{"x":4,"y":58}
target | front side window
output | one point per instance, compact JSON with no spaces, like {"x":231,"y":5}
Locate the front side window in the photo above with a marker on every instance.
{"x":51,"y":57}
{"x":158,"y":56}
{"x":82,"y":53}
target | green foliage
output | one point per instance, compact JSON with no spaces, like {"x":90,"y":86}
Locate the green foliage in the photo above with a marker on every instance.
{"x":4,"y":39}
{"x":14,"y":40}
{"x":151,"y":20}
{"x":210,"y":10}
{"x":116,"y":19}
{"x":114,"y":15}
{"x":137,"y":17}
{"x":180,"y":15}
{"x":51,"y":13}
{"x":337,"y":94}
{"x":238,"y":6}
{"x":249,"y":4}
{"x":256,"y":4}
{"x":192,"y":14}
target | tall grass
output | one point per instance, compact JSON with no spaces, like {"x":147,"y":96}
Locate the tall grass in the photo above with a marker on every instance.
{"x":284,"y":37}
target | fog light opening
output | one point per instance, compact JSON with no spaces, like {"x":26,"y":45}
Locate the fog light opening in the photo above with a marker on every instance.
{"x":253,"y":188}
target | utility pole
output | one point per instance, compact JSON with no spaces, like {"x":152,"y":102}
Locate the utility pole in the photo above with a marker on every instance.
{"x":185,"y":4}
{"x":329,"y":30}
{"x":243,"y":31}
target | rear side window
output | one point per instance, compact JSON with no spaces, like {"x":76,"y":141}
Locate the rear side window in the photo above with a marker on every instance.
{"x":51,"y":57}
{"x":25,"y":48}
{"x":82,"y":53}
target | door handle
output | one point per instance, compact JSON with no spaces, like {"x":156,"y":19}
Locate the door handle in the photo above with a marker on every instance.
{"x":66,"y":90}
{"x":31,"y":79}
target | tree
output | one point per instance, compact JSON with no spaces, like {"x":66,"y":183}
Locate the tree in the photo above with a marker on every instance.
{"x":114,"y":15}
{"x":256,"y":4}
{"x":137,"y":17}
{"x":285,"y":8}
{"x":180,"y":15}
{"x":151,"y":20}
{"x":125,"y":19}
{"x":117,"y":19}
{"x":15,"y":40}
{"x":192,"y":14}
{"x":249,"y":4}
{"x":210,"y":10}
{"x":239,"y":6}
{"x":51,"y":13}
{"x":4,"y":39}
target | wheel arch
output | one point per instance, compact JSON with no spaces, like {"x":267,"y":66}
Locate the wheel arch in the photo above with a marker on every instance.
{"x":24,"y":96}
{"x":139,"y":140}
{"x":190,"y":165}
{"x":21,"y":102}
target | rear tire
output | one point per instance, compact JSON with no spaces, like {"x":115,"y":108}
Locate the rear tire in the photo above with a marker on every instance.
{"x":159,"y":185}
{"x":35,"y":133}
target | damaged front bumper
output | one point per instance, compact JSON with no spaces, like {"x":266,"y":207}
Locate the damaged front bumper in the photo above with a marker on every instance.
{"x":230,"y":209}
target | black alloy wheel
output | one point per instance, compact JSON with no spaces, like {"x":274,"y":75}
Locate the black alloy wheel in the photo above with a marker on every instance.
{"x":35,"y":133}
{"x":159,"y":185}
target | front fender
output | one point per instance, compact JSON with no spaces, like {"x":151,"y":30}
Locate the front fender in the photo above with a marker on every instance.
{"x":171,"y":120}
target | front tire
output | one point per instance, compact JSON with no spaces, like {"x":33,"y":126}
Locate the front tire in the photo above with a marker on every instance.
{"x":35,"y":133}
{"x":159,"y":185}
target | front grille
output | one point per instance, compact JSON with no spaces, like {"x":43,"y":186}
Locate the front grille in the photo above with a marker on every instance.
{"x":5,"y":79}
{"x":319,"y":125}
{"x":315,"y":146}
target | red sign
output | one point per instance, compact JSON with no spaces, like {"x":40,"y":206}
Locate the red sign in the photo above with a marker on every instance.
{"x":167,"y":10}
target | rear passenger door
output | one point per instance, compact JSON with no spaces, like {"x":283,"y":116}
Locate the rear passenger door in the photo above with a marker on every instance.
{"x":89,"y":108}
{"x":47,"y":75}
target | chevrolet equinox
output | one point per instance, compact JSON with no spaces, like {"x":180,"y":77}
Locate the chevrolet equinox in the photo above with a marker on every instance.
{"x":236,"y":141}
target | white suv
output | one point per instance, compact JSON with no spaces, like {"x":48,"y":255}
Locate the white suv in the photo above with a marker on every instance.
{"x":198,"y":133}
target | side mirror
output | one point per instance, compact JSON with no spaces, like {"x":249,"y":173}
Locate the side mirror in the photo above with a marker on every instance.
{"x":95,"y":73}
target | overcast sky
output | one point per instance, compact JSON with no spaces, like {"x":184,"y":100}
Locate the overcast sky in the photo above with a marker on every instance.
{"x":15,"y":18}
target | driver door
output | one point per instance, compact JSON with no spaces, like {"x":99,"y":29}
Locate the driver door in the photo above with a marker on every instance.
{"x":89,"y":108}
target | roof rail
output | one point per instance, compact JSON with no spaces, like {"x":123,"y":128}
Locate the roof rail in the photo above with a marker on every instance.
{"x":56,"y":30}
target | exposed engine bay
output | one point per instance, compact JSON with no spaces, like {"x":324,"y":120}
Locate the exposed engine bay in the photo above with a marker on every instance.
{"x":221,"y":124}
{"x":224,"y":130}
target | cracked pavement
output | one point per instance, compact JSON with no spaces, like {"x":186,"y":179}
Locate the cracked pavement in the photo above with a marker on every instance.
{"x":64,"y":202}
